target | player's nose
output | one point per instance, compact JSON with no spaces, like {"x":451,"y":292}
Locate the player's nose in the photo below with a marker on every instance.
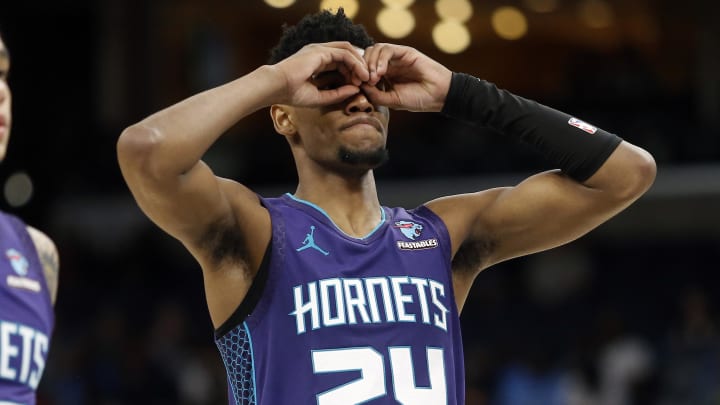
{"x":359,"y":103}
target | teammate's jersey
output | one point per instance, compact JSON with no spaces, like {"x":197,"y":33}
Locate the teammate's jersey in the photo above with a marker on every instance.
{"x":332,"y":319}
{"x":26,"y":314}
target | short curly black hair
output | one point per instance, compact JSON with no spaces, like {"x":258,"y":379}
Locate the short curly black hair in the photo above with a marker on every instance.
{"x":320,"y":27}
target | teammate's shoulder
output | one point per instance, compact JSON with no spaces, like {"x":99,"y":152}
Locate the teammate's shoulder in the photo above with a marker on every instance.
{"x":48,"y":255}
{"x":40,"y":238}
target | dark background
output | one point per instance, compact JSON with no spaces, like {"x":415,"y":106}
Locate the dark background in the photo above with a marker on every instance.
{"x":626,"y":315}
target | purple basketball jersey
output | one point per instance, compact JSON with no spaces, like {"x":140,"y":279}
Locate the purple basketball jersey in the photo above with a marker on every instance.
{"x":26,"y":314}
{"x":342,"y":320}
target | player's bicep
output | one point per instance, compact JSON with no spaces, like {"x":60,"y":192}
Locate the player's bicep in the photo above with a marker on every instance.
{"x":545,"y":211}
{"x":182,"y":205}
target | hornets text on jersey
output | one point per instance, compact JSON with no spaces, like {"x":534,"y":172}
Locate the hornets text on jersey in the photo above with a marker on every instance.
{"x":333,"y":319}
{"x":26,"y":314}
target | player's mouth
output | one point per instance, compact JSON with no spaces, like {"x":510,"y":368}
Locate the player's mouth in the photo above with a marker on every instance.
{"x":373,"y":122}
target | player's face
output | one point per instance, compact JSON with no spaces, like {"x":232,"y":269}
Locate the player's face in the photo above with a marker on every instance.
{"x":349,"y":135}
{"x":5,"y":115}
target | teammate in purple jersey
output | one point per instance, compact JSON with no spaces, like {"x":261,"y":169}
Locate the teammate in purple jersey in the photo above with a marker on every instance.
{"x":28,"y":286}
{"x":325,"y":296}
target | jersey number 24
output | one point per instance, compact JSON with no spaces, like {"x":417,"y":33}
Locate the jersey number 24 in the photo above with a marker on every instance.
{"x":371,"y":384}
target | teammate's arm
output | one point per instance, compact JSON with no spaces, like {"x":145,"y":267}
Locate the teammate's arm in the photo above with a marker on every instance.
{"x":48,"y":255}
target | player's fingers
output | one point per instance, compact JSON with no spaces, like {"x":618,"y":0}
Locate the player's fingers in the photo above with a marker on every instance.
{"x":378,"y":97}
{"x":350,"y":56}
{"x":385,"y":55}
{"x":379,"y":58}
{"x":348,"y":68}
{"x":342,"y":45}
{"x":371,"y":58}
{"x":370,"y":52}
{"x":348,"y":75}
{"x":333,"y":96}
{"x":354,"y":64}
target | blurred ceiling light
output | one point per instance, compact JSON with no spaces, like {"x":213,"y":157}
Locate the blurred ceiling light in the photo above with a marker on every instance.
{"x":541,"y":6}
{"x":279,"y":3}
{"x":458,"y":10}
{"x":451,"y":36}
{"x":349,"y":6}
{"x":509,"y":23}
{"x":18,"y":189}
{"x":398,"y":3}
{"x":597,"y":13}
{"x":395,"y":22}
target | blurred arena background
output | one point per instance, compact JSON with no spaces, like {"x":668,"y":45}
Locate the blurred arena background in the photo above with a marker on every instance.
{"x":627,"y":315}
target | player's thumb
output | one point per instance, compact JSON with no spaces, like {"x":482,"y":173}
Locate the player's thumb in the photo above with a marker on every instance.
{"x":337,"y":95}
{"x":379,"y":97}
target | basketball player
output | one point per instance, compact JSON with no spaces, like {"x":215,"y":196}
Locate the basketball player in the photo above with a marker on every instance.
{"x":28,"y":286}
{"x":324,"y":295}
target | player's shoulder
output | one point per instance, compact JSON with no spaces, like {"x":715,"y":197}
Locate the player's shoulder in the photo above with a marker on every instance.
{"x":465,"y":214}
{"x":240,"y":196}
{"x":247,"y":214}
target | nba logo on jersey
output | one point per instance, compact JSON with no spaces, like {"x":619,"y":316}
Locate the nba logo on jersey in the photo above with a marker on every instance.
{"x":582,"y":125}
{"x":18,"y":261}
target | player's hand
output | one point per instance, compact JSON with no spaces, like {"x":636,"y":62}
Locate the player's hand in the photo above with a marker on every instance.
{"x":302,"y":68}
{"x":402,"y":78}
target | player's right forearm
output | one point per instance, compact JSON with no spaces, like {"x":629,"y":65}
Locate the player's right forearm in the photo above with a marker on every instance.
{"x":171,"y":141}
{"x":578,"y":148}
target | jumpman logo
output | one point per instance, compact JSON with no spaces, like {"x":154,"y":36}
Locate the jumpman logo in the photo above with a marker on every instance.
{"x":309,"y":242}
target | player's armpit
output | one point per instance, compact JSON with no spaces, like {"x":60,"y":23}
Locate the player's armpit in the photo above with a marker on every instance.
{"x":471,"y":242}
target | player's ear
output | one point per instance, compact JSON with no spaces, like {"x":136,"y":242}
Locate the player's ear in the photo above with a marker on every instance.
{"x":282,"y":121}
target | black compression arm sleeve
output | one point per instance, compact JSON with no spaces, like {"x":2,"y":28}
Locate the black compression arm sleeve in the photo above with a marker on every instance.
{"x":578,"y":148}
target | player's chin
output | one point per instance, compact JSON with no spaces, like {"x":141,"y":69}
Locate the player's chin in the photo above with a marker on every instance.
{"x":367,"y":158}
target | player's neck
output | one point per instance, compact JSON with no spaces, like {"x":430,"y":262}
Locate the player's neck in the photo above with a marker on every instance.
{"x":352,"y":203}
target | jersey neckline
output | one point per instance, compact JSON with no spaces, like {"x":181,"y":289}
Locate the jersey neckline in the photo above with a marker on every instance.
{"x":320,"y":213}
